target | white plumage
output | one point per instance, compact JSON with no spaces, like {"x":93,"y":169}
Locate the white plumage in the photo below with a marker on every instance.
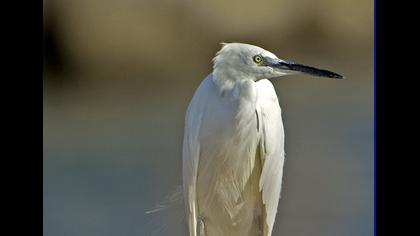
{"x":233,"y":151}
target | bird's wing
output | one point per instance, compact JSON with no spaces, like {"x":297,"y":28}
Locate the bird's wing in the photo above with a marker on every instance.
{"x":272,"y":149}
{"x":191,"y":152}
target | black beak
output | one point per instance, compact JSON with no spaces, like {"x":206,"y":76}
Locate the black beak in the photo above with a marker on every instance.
{"x":290,"y":66}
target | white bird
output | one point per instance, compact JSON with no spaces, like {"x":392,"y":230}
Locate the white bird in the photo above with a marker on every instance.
{"x":233,"y":151}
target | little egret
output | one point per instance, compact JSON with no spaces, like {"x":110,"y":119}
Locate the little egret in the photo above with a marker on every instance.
{"x":233,"y":151}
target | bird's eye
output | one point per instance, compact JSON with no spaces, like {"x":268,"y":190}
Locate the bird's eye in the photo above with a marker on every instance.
{"x":258,"y":59}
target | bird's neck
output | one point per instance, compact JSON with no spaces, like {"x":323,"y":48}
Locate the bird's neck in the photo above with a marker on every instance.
{"x":235,"y":89}
{"x":226,"y":79}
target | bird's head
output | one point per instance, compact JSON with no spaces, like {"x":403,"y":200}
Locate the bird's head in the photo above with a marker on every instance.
{"x":239,"y":60}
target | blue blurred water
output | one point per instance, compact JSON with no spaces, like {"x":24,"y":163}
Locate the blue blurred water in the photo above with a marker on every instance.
{"x":108,"y":158}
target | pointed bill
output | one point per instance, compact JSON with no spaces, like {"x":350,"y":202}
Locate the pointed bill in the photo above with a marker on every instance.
{"x":290,"y":67}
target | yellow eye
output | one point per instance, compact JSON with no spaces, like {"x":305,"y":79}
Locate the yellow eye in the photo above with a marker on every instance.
{"x":258,"y":59}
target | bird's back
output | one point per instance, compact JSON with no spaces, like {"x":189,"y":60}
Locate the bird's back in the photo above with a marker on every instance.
{"x":224,"y":133}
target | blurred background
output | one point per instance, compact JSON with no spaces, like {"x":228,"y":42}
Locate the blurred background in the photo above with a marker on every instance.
{"x":118,"y":77}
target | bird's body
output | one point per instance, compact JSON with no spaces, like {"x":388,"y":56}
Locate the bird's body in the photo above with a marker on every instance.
{"x":233,"y":151}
